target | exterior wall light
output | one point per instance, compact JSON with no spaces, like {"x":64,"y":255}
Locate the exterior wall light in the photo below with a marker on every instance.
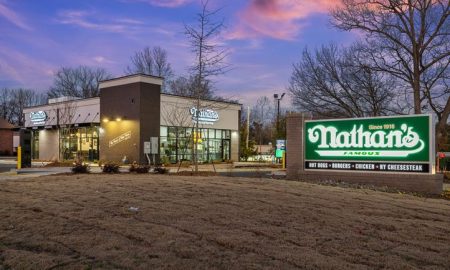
{"x":106,"y":120}
{"x":118,"y":119}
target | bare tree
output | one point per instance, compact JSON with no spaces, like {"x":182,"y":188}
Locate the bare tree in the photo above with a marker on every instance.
{"x":176,"y":114}
{"x":261,"y":120}
{"x":183,"y":86}
{"x":13,"y":101}
{"x":409,"y":39}
{"x":82,"y":82}
{"x":333,"y":82}
{"x":209,"y":56}
{"x":5,"y":102}
{"x":151,"y":61}
{"x":66,"y":117}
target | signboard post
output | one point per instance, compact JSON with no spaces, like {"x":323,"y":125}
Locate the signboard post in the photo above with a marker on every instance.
{"x":154,"y":145}
{"x":147,"y":151}
{"x":378,"y":144}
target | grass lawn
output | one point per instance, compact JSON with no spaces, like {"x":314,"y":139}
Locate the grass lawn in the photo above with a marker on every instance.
{"x":183,"y":222}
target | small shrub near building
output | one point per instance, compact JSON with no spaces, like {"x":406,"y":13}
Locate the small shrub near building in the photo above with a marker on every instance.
{"x":110,"y":167}
{"x":80,"y":167}
{"x":161,"y":170}
{"x":136,"y":168}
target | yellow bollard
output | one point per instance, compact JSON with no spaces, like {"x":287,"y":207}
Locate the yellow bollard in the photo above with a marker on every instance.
{"x":284,"y":160}
{"x":19,"y":157}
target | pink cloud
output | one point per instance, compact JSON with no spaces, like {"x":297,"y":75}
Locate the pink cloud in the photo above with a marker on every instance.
{"x":79,"y":18}
{"x":169,"y":3}
{"x":163,"y":3}
{"x":24,"y":70}
{"x":279,"y":19}
{"x":90,"y":20}
{"x":13,"y":17}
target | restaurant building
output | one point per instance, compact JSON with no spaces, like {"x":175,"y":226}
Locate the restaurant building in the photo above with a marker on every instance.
{"x":132,"y":120}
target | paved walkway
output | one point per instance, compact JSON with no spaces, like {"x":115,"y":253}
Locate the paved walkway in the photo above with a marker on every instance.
{"x":221,"y":169}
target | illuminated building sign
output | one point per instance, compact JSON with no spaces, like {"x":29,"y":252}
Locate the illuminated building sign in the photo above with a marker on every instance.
{"x":394,"y":144}
{"x":123,"y":137}
{"x":204,"y":116}
{"x":38,"y":118}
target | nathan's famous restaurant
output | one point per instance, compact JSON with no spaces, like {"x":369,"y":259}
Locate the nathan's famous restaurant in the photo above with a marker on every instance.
{"x":132,"y":119}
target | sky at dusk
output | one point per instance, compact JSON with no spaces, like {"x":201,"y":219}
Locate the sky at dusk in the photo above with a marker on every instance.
{"x":265,"y":37}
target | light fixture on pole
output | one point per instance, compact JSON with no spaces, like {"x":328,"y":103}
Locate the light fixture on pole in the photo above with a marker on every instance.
{"x":278,"y":98}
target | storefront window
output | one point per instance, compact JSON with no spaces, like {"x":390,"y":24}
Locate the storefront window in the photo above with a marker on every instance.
{"x":176,"y":143}
{"x":35,"y":144}
{"x":79,"y":143}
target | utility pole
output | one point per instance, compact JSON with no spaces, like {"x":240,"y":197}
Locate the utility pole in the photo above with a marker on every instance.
{"x":248,"y":126}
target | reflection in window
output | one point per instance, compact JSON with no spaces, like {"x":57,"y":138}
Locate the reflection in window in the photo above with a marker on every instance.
{"x":79,"y":143}
{"x":176,"y":144}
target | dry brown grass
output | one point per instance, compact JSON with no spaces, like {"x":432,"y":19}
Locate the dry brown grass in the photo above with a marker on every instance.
{"x":84,"y":221}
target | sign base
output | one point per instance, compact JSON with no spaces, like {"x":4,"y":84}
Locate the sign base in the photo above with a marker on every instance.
{"x":423,"y":183}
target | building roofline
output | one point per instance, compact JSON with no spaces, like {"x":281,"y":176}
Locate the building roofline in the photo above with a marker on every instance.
{"x":61,"y":102}
{"x":166,"y":94}
{"x":132,"y":75}
{"x":133,"y":78}
{"x":204,"y":99}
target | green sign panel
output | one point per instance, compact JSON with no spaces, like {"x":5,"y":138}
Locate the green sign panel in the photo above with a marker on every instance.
{"x":401,"y":139}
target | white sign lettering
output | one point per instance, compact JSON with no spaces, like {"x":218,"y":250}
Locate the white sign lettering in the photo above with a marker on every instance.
{"x":123,"y":137}
{"x":204,"y":116}
{"x":38,"y":118}
{"x":328,"y":138}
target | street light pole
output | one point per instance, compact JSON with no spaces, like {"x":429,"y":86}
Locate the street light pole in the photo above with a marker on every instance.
{"x":278,"y":99}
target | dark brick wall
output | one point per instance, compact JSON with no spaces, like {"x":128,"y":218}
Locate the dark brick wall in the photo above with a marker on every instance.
{"x":6,"y":141}
{"x":294,"y":146}
{"x":138,"y":106}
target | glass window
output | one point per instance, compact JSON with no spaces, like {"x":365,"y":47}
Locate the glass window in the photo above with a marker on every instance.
{"x":204,"y":133}
{"x":35,"y":144}
{"x":172,"y":132}
{"x":181,"y":132}
{"x":163,"y":131}
{"x":227,"y":134}
{"x":211,"y":133}
{"x":79,"y":143}
{"x":178,"y":145}
{"x":218,"y":134}
{"x":188,"y":132}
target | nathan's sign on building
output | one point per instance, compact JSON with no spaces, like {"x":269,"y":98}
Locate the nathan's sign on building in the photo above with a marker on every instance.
{"x":38,"y":118}
{"x":389,"y":144}
{"x":204,"y":116}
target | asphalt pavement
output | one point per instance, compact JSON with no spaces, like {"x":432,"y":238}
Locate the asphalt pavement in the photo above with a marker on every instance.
{"x":6,"y":167}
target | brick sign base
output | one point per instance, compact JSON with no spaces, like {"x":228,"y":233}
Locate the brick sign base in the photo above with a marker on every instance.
{"x":415,"y":182}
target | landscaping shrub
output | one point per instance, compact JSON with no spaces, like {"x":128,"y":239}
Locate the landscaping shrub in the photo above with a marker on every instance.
{"x":133,"y":167}
{"x":160,"y":170}
{"x":139,"y":168}
{"x":143,"y":169}
{"x":110,"y":167}
{"x":80,"y":167}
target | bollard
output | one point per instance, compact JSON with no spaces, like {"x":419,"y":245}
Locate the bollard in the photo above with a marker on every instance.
{"x":19,"y":157}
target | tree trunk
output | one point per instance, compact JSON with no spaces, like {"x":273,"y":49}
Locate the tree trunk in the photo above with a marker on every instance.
{"x":441,"y":128}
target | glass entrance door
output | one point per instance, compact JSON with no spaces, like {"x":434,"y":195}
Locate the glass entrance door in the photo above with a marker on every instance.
{"x":225,"y":149}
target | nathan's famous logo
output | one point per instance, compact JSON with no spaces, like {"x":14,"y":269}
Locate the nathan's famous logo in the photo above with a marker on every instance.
{"x":38,"y":117}
{"x":360,"y":142}
{"x":204,"y":116}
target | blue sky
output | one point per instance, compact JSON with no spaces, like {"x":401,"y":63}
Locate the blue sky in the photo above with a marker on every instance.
{"x":265,"y":37}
